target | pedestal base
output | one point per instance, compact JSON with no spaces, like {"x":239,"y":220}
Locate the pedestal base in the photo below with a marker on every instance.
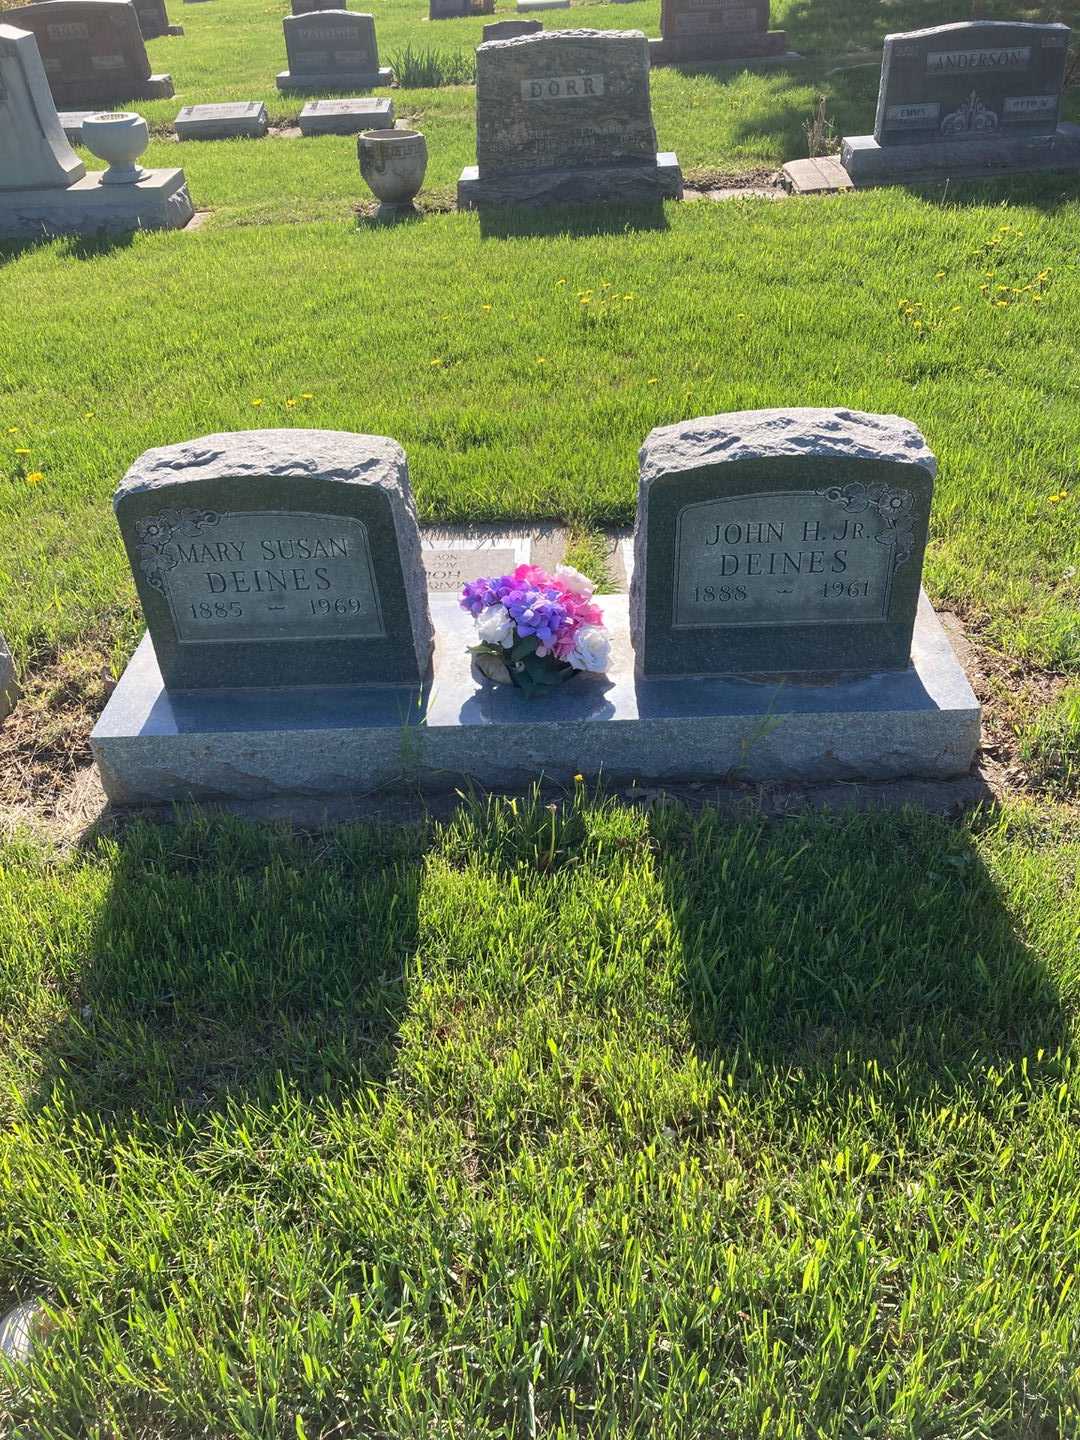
{"x":701,"y":51}
{"x":341,"y":81}
{"x":868,"y":163}
{"x":154,"y":747}
{"x":89,"y":207}
{"x":579,"y":185}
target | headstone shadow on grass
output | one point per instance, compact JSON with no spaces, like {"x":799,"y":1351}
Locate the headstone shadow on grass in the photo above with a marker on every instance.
{"x":231,"y":961}
{"x":509,"y":223}
{"x":870,"y":949}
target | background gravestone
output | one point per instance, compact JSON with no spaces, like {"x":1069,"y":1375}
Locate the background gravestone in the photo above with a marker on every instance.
{"x":780,"y":542}
{"x":153,"y":21}
{"x":9,"y":691}
{"x":511,"y":29}
{"x":566,"y":115}
{"x":332,"y":50}
{"x":278,"y":558}
{"x":309,"y":7}
{"x":704,"y":31}
{"x":93,"y":51}
{"x":980,"y":95}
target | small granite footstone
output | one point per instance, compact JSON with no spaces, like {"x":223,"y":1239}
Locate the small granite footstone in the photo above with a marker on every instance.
{"x":228,"y":121}
{"x":346,"y":117}
{"x":511,"y":29}
{"x":978,"y":98}
{"x":707,"y":31}
{"x":565,"y":115}
{"x":44,"y":186}
{"x":332,"y":50}
{"x":71,"y":122}
{"x":9,"y":690}
{"x":278,"y":558}
{"x":93,"y":52}
{"x":780,"y":542}
{"x":525,"y":5}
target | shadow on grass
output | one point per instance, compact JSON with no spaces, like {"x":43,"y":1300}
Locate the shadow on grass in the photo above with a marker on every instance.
{"x":873,"y":949}
{"x":835,"y":26}
{"x":513,"y":223}
{"x":229,"y":957}
{"x":69,"y":247}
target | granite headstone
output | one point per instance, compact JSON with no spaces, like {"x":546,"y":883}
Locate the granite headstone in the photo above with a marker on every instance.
{"x":44,"y":187}
{"x":780,"y":542}
{"x":309,"y":7}
{"x":511,"y":29}
{"x":9,"y":690}
{"x":706,"y":31}
{"x":229,"y":120}
{"x":93,"y":52}
{"x":332,"y":50}
{"x":278,"y":558}
{"x":347,"y":117}
{"x":979,"y":95}
{"x":566,"y":115}
{"x":153,"y":21}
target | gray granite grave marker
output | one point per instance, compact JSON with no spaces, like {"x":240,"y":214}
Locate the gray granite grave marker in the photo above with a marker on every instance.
{"x":227,"y":121}
{"x":511,"y":29}
{"x":8,"y":689}
{"x":347,"y":117}
{"x":309,"y":7}
{"x":566,"y":116}
{"x":44,"y":187}
{"x":707,"y":31}
{"x":332,"y":50}
{"x":93,"y":52}
{"x":780,"y":542}
{"x":966,"y":99}
{"x":153,"y":21}
{"x":278,"y":558}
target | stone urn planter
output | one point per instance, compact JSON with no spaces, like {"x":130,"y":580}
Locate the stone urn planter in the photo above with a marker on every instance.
{"x":393,"y":163}
{"x":119,"y":139}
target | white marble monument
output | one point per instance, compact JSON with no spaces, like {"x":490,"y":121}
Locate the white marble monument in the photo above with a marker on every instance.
{"x":44,"y":186}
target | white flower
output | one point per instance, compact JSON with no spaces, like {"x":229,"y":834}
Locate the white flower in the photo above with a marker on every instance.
{"x":495,"y":626}
{"x":592,"y":649}
{"x":573,"y":580}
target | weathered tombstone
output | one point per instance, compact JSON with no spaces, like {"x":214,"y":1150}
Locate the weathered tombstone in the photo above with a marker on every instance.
{"x":523,"y":6}
{"x":93,"y":52}
{"x":153,"y":21}
{"x":511,"y":29}
{"x":707,"y":31}
{"x":780,"y":541}
{"x":278,"y":558}
{"x":978,"y":97}
{"x":455,"y":9}
{"x":346,"y":117}
{"x":566,"y":116}
{"x":9,"y":690}
{"x":227,"y":121}
{"x":44,"y":186}
{"x":309,"y":7}
{"x":332,"y":50}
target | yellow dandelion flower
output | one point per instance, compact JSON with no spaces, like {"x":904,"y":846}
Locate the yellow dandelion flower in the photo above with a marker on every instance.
{"x":485,"y":308}
{"x":584,"y":300}
{"x":290,"y":404}
{"x":579,"y":779}
{"x":257,"y":402}
{"x":436,"y":361}
{"x":13,"y":430}
{"x":89,"y":415}
{"x":35,"y":477}
{"x":955,"y":308}
{"x":22,"y":452}
{"x":628,"y":297}
{"x":652,"y":380}
{"x":541,"y":359}
{"x":559,"y":282}
{"x":940,"y":275}
{"x":307,"y":395}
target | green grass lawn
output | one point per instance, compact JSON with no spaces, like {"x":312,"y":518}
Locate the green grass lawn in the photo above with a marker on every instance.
{"x":584,"y":1121}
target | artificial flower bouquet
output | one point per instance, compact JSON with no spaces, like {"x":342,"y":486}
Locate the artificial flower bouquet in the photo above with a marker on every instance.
{"x":536,"y":630}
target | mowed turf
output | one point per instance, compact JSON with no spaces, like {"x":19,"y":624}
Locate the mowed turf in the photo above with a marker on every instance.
{"x":569,"y":1121}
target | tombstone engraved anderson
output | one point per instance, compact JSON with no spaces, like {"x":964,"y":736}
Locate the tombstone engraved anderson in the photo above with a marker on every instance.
{"x":93,"y":51}
{"x":278,"y":558}
{"x":780,"y":542}
{"x":980,"y":94}
{"x":566,"y":115}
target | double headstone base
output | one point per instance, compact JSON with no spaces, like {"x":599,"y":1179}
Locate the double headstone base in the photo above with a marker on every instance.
{"x":89,"y":207}
{"x":863,"y":163}
{"x":341,"y":80}
{"x":701,"y":51}
{"x":627,"y":184}
{"x":155,"y":747}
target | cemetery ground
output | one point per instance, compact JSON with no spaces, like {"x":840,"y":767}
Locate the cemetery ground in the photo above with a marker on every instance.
{"x":553,"y":1114}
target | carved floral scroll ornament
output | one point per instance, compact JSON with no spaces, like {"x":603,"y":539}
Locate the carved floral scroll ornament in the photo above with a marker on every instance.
{"x":157,"y":535}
